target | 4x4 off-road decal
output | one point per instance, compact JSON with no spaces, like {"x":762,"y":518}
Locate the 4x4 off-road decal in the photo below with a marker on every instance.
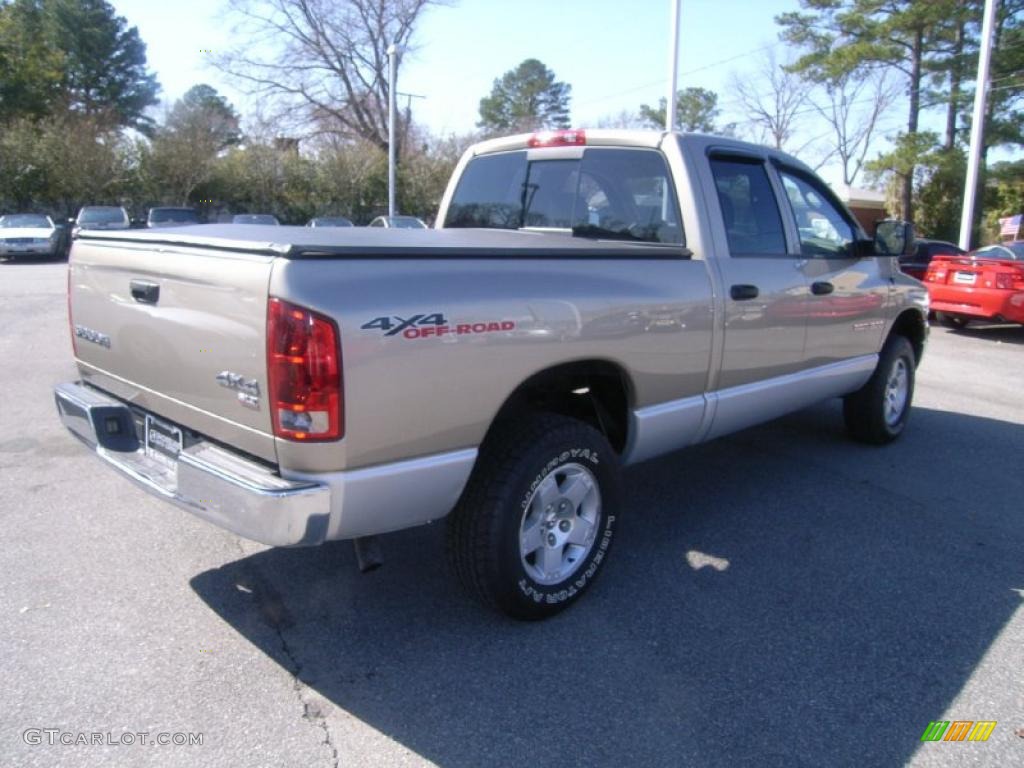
{"x":433,"y":324}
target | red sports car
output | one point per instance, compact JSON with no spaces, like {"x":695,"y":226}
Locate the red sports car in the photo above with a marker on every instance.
{"x":986,"y":284}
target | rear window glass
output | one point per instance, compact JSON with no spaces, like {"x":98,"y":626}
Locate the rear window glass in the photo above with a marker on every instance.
{"x":25,"y":220}
{"x":622,"y":194}
{"x":177,"y":215}
{"x":102,"y":216}
{"x":1006,"y":251}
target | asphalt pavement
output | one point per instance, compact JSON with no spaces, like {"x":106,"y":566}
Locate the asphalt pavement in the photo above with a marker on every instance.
{"x":781,"y":597}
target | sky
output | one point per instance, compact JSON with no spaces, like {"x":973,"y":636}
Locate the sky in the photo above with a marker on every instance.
{"x":614,"y":53}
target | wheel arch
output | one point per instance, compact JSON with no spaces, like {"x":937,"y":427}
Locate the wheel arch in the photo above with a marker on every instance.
{"x":912,"y":325}
{"x":596,"y":391}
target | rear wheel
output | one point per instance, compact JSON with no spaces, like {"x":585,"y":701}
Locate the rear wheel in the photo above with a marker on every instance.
{"x":951,"y":321}
{"x":535,"y":523}
{"x":877,"y":413}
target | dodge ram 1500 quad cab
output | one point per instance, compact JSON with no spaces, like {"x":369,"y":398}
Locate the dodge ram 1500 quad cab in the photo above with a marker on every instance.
{"x":588,"y":300}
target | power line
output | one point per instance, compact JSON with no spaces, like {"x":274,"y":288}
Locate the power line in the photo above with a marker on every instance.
{"x":685,"y":73}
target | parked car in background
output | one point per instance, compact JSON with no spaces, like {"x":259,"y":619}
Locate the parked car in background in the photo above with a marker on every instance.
{"x":916,"y":264}
{"x":171,"y":217}
{"x":398,"y":222}
{"x":100,"y":217}
{"x":254,"y":218}
{"x":986,"y":284}
{"x":29,"y":234}
{"x":329,"y":221}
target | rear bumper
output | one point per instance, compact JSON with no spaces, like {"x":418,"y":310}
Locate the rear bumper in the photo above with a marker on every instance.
{"x":251,"y":499}
{"x":217,"y":485}
{"x":986,"y":303}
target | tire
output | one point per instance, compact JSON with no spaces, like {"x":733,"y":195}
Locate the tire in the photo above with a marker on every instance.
{"x":877,"y":413}
{"x":951,"y":321}
{"x":535,"y":523}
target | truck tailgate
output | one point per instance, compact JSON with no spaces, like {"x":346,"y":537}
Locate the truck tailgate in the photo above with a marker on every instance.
{"x":177,"y":331}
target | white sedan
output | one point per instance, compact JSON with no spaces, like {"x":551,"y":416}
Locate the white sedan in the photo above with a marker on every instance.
{"x":28,"y":234}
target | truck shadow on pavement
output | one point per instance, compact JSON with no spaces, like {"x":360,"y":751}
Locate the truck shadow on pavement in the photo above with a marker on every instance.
{"x":1008,"y":334}
{"x":779,"y":597}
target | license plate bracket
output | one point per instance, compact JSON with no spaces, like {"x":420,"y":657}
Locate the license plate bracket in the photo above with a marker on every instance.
{"x":163,"y":441}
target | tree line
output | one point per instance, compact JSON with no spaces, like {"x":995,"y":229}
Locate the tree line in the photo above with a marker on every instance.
{"x":79,"y":124}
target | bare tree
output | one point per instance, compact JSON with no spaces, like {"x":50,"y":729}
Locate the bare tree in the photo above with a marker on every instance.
{"x":853,"y":105}
{"x":772,"y":98}
{"x":623,"y":119}
{"x":325,"y":61}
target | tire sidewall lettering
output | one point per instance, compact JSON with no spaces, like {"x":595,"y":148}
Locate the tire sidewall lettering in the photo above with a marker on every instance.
{"x":568,"y":589}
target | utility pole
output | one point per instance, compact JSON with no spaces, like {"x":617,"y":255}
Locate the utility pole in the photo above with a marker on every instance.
{"x":673,"y":68}
{"x":977,"y":125}
{"x":392,"y":98}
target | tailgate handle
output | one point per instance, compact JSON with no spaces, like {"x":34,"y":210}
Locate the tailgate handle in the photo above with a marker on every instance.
{"x":144,"y":292}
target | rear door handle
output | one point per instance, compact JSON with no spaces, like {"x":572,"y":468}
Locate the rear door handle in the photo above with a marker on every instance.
{"x":743,"y":292}
{"x":822,"y":288}
{"x":145,"y":292}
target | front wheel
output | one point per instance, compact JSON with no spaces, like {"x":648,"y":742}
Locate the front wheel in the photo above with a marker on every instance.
{"x":877,"y":413}
{"x":536,"y":521}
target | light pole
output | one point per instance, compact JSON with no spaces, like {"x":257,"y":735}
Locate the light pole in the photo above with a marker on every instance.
{"x":977,"y":125}
{"x":392,"y":97}
{"x":673,"y":68}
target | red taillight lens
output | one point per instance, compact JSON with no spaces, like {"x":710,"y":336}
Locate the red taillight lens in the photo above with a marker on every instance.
{"x":71,"y":323}
{"x":1010,"y":281}
{"x":558,"y":139}
{"x":304,"y":374}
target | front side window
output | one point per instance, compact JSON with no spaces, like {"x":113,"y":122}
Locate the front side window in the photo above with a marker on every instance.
{"x":750,"y":212}
{"x":824,"y":231}
{"x":622,"y":194}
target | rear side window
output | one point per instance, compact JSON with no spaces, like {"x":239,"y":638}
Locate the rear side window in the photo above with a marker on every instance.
{"x":622,"y":194}
{"x":750,"y":211}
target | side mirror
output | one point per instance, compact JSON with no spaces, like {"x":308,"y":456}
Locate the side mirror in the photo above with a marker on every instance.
{"x":894,"y":237}
{"x":71,"y":222}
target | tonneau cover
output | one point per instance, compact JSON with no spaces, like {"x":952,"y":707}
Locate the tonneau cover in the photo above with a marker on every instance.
{"x":364,"y":242}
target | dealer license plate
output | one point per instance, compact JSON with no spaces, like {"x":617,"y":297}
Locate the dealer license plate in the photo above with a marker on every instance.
{"x":163,"y":441}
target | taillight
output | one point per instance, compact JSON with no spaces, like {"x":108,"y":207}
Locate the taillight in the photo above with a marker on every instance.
{"x":303,"y":374}
{"x":71,"y":323}
{"x":567,"y":138}
{"x":1010,"y":281}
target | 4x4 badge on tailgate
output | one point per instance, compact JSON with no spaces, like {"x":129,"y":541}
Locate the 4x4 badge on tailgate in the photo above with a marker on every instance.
{"x":238,"y":383}
{"x":248,"y":389}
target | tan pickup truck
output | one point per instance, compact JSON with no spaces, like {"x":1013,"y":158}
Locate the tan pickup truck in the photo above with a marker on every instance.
{"x":588,"y":300}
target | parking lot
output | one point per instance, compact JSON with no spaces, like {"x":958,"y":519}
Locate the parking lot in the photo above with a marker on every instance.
{"x":780,"y":597}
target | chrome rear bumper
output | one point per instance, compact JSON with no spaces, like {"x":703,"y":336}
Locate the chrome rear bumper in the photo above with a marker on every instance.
{"x":218,"y":485}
